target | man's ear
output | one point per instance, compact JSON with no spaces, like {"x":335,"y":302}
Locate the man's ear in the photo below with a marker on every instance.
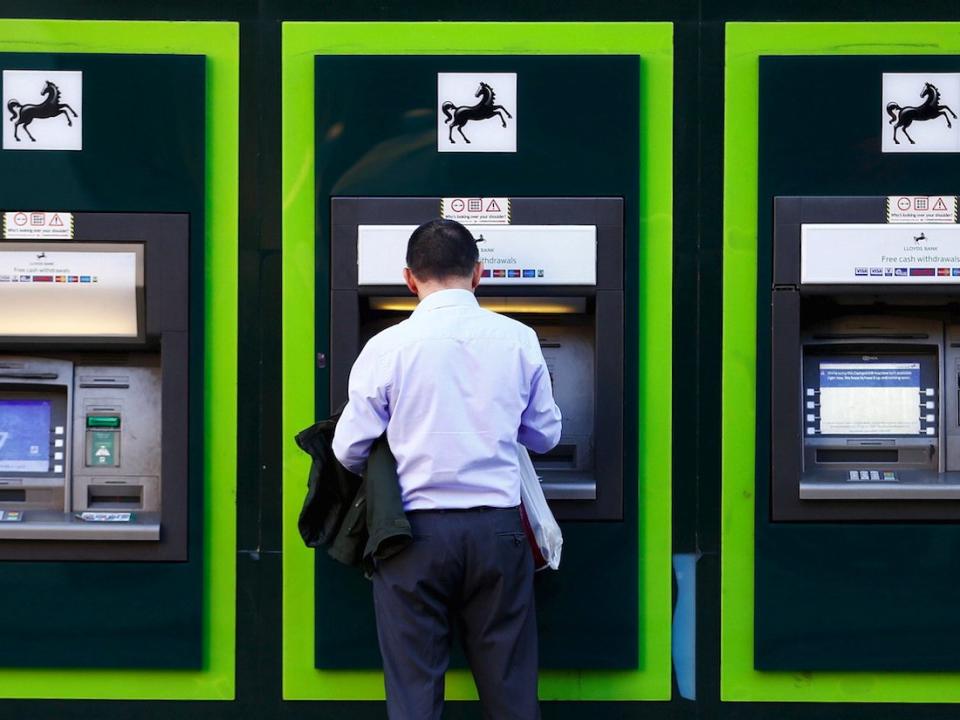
{"x":477,"y":272}
{"x":410,"y":280}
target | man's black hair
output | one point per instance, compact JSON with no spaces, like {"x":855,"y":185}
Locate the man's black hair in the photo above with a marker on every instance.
{"x":441,"y":249}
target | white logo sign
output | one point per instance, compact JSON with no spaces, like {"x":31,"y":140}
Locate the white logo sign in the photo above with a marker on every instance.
{"x":476,"y":112}
{"x":43,"y":110}
{"x":855,"y":254}
{"x":918,"y":112}
{"x":511,"y":254}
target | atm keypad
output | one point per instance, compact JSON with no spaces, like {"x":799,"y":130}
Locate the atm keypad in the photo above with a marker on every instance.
{"x":872,"y":476}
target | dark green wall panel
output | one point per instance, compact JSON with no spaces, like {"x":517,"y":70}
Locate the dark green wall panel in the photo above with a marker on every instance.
{"x":143,"y":150}
{"x":843,"y":596}
{"x":582,"y":140}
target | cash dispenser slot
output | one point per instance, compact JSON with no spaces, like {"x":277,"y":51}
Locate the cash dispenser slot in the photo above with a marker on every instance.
{"x":857,"y":455}
{"x":114,"y":495}
{"x":563,"y":456}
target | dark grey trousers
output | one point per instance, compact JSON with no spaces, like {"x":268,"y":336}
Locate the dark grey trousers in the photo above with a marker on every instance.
{"x":472,"y":568}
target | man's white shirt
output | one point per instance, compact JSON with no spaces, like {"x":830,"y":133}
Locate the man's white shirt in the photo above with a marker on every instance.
{"x":455,"y":387}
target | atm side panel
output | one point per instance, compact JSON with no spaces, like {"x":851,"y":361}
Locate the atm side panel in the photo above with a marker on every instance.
{"x":117,"y":439}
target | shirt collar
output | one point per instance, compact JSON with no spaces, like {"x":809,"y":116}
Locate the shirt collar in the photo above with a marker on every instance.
{"x":446,"y":298}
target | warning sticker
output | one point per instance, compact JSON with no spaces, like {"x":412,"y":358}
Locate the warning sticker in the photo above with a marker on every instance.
{"x":476,"y":210}
{"x":922,"y":208}
{"x":37,"y":225}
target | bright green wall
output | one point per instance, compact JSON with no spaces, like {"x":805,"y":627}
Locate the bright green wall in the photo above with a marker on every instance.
{"x":653,"y":42}
{"x":745,"y":43}
{"x":220,"y":43}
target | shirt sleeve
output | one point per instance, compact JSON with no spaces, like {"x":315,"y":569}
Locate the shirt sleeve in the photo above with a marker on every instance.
{"x":366,"y":414}
{"x":540,"y":422}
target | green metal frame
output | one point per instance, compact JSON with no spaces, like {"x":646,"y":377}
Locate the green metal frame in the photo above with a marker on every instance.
{"x":654,"y":42}
{"x":746,"y":43}
{"x":219,"y":42}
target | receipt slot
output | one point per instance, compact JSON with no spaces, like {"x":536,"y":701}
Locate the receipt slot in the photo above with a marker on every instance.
{"x":557,"y":267}
{"x":93,"y":391}
{"x":865,"y":406}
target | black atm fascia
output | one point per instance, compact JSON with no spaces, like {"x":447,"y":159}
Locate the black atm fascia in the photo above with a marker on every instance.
{"x":865,"y":323}
{"x":605,"y":301}
{"x":164,"y":311}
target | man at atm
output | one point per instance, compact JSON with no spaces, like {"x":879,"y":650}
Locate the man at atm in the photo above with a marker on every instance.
{"x":455,"y":387}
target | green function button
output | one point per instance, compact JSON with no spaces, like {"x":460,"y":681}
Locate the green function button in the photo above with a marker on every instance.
{"x":103,"y":421}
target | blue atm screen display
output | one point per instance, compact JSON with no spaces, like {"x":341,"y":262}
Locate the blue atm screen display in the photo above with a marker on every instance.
{"x":25,"y":436}
{"x":878,"y":398}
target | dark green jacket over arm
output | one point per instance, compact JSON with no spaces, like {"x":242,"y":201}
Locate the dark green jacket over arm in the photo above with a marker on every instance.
{"x":359,"y":519}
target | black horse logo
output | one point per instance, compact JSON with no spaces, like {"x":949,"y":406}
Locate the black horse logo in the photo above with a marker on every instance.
{"x":930,"y":109}
{"x":918,"y":238}
{"x":23,"y":115}
{"x":457,"y":117}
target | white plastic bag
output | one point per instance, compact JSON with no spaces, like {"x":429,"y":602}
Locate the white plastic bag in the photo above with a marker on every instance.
{"x":542,"y":525}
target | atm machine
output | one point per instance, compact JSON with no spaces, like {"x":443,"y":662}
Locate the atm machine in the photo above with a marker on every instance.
{"x":556,"y":266}
{"x":865,"y":405}
{"x":93,"y":390}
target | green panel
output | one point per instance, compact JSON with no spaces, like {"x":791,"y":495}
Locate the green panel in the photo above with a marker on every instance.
{"x":653,"y":42}
{"x":120,"y":615}
{"x":745,"y":44}
{"x":147,"y":183}
{"x":876,"y":596}
{"x":579,"y":628}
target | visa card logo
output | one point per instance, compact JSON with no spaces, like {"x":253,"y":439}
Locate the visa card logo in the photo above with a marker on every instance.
{"x":876,"y":272}
{"x":860,"y":272}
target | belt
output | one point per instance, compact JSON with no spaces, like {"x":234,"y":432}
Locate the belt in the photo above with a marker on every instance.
{"x":478,"y":509}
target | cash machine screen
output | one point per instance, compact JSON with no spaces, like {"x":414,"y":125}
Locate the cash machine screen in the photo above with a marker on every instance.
{"x":25,"y":436}
{"x":869,"y":398}
{"x":865,"y":394}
